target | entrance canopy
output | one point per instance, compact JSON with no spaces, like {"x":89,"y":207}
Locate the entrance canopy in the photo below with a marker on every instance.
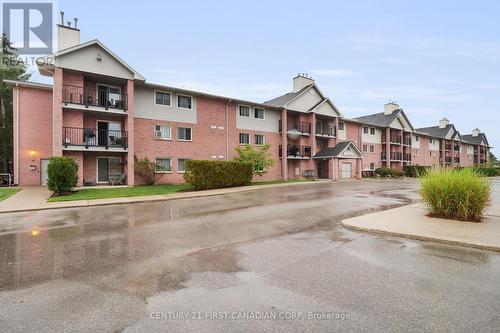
{"x":346,"y":149}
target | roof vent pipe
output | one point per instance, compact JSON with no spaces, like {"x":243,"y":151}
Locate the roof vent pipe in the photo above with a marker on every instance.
{"x":62,"y":17}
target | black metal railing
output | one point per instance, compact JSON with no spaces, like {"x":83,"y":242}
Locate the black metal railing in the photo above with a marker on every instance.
{"x":396,"y":156}
{"x":457,"y":159}
{"x":295,"y":125}
{"x":326,"y":130}
{"x":407,"y":157}
{"x":447,"y":147}
{"x":91,"y":137}
{"x":383,"y":156}
{"x":395,"y":139}
{"x":456,"y":148}
{"x":107,"y":98}
{"x":407,"y":141}
{"x":293,"y":151}
{"x":447,"y":159}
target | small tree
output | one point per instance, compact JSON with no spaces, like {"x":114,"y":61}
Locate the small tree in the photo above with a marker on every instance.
{"x":62,"y":174}
{"x":146,"y":169}
{"x":259,"y":158}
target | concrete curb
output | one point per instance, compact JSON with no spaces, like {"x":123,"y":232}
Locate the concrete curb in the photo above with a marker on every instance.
{"x":376,"y":231}
{"x":155,"y":198}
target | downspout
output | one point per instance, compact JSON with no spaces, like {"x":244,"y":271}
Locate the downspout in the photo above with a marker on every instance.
{"x":227,"y":129}
{"x":16,"y":157}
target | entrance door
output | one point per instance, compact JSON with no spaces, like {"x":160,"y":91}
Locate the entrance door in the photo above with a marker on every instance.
{"x":102,"y":170}
{"x":44,"y":164}
{"x":346,"y":170}
{"x":108,"y":133}
{"x":107,"y":96}
{"x":318,"y":169}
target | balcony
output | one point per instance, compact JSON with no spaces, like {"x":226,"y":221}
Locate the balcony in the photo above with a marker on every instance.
{"x":101,"y":98}
{"x":447,"y":147}
{"x":325,"y":130}
{"x":295,"y":126}
{"x":94,"y":139}
{"x":383,"y":156}
{"x":407,"y":157}
{"x":456,"y":160}
{"x":447,"y":159}
{"x":296,"y":152}
{"x":396,"y":156}
{"x":395,"y":139}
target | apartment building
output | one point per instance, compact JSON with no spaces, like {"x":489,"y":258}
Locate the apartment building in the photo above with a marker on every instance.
{"x":104,"y":114}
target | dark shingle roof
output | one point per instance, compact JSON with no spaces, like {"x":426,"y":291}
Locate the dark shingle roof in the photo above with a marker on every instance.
{"x":284,"y":99}
{"x":475,"y":140}
{"x":329,"y":152}
{"x":379,"y":119}
{"x":436,"y":131}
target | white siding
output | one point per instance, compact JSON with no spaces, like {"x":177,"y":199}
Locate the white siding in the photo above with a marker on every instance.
{"x":268,"y":124}
{"x":305,"y":101}
{"x":414,"y":143}
{"x":145,"y":107}
{"x":372,"y":138}
{"x":435,"y":145}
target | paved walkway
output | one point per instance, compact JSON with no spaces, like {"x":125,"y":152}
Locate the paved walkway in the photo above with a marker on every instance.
{"x":35,"y":197}
{"x":30,"y":198}
{"x":412,"y":222}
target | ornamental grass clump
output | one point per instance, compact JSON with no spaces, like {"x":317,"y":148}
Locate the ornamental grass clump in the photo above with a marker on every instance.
{"x":455,"y":194}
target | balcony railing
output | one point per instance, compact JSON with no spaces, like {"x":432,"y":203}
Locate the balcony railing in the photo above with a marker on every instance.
{"x":91,"y":137}
{"x":296,"y":151}
{"x":447,"y":147}
{"x":294,"y":125}
{"x":396,"y":156}
{"x":447,"y":159}
{"x":383,"y":156}
{"x":406,"y":157}
{"x":325,"y":130}
{"x":395,"y":139}
{"x":407,"y":141}
{"x":456,"y":159}
{"x":109,"y":98}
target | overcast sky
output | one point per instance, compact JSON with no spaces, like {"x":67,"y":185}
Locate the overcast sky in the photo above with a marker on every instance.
{"x":435,"y":58}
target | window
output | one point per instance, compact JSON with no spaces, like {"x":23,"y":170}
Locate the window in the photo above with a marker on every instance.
{"x":184,"y":102}
{"x":163,"y":165}
{"x":259,"y":139}
{"x":181,"y":165}
{"x":372,"y":166}
{"x":162,"y":98}
{"x":162,"y":132}
{"x":417,"y":138}
{"x":372,"y":131}
{"x":365,"y":148}
{"x":258,"y":113}
{"x":184,"y":133}
{"x":244,"y":111}
{"x":431,"y":141}
{"x":244,"y":139}
{"x":365,"y":130}
{"x":319,"y":143}
{"x":372,"y":148}
{"x":341,"y":126}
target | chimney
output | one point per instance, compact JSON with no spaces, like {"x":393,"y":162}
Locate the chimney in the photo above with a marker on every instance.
{"x":390,"y":107}
{"x":443,"y":123}
{"x":301,"y":81}
{"x":475,"y":132}
{"x":67,"y":35}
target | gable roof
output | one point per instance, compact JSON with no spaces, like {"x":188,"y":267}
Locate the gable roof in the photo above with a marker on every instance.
{"x":97,"y":42}
{"x":330,"y":152}
{"x":383,"y":120}
{"x":283,"y":100}
{"x":436,"y":131}
{"x":475,"y":140}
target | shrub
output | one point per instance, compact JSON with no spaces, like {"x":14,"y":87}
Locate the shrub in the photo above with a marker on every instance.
{"x":487,"y":172}
{"x":260,"y":158}
{"x":204,"y":175}
{"x":415,"y":170}
{"x":388,"y":172}
{"x":456,"y":194}
{"x":146,"y":169}
{"x":62,"y":174}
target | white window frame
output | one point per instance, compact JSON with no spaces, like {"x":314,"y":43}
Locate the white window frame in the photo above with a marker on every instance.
{"x":185,"y":127}
{"x":162,"y":138}
{"x":366,"y":130}
{"x":239,"y":139}
{"x":163,"y":158}
{"x":245,"y":106}
{"x":184,"y":159}
{"x":263,"y":113}
{"x":365,"y":148}
{"x":263,"y":139}
{"x":343,"y":126}
{"x":192,"y":101}
{"x":371,"y":166}
{"x":372,"y":148}
{"x":417,"y":137}
{"x":372,"y":129}
{"x":163,"y":92}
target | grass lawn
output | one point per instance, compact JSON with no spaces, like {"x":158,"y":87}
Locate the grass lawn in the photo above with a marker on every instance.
{"x":121,"y":192}
{"x":8,"y":192}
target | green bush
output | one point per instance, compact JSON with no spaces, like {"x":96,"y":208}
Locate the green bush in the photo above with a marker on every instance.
{"x":487,"y":172}
{"x":457,"y":194}
{"x":388,"y":172}
{"x":62,"y":174}
{"x":415,"y":170}
{"x":204,"y":175}
{"x":260,"y":158}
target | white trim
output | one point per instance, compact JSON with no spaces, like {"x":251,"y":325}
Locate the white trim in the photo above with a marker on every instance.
{"x":177,"y":133}
{"x":264,"y":113}
{"x":183,"y":95}
{"x":171,"y":165}
{"x":164,"y":92}
{"x":239,"y":139}
{"x":249,"y":110}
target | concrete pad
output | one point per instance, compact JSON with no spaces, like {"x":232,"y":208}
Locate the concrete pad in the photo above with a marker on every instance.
{"x":29,"y":198}
{"x":411,"y":222}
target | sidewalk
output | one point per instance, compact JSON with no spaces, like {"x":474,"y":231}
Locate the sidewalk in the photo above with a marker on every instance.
{"x":35,"y":198}
{"x":411,"y":222}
